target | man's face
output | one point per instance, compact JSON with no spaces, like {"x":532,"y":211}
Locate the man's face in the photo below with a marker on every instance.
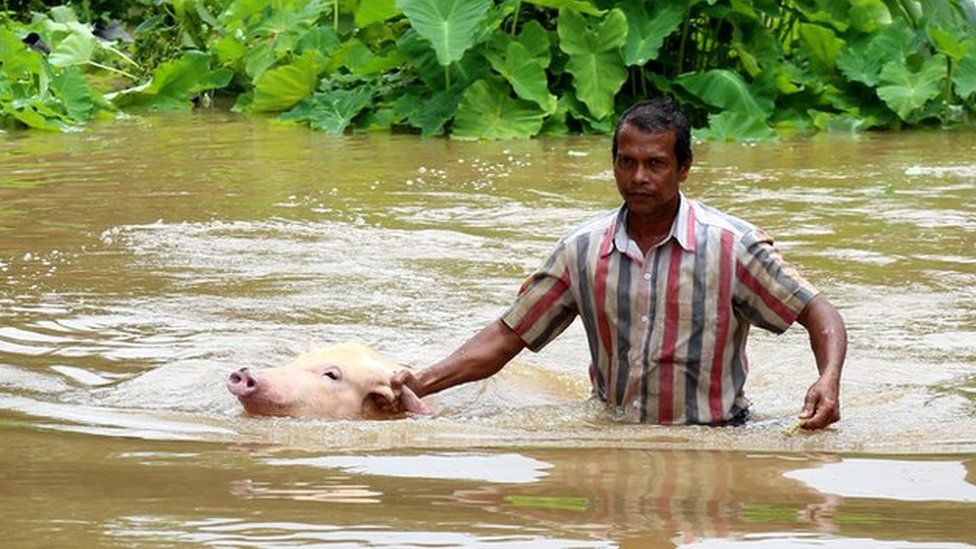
{"x":647,"y":170}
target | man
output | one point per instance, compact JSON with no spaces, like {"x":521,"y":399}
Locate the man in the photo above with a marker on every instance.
{"x":666,"y":288}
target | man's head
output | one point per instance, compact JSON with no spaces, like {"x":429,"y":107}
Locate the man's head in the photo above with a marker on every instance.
{"x":658,"y":115}
{"x":651,"y":158}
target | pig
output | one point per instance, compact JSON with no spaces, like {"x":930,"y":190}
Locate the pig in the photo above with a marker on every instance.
{"x":345,"y":381}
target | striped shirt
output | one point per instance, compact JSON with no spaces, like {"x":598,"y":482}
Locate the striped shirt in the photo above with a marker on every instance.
{"x":667,"y":330}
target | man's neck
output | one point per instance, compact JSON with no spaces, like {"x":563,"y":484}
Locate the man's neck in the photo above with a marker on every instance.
{"x":651,"y":229}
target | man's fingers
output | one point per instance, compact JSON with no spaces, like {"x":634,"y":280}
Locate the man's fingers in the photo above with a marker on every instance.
{"x":809,"y":404}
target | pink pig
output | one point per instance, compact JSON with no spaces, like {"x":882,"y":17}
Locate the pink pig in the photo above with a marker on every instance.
{"x":343,"y":381}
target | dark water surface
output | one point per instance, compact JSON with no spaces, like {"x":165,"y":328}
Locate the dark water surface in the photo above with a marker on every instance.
{"x":143,"y":259}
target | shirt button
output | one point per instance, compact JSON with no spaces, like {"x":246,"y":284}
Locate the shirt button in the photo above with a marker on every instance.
{"x":644,"y":318}
{"x":647,"y":276}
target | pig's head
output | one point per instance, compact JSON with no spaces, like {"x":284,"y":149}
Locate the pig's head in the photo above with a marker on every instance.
{"x":340,"y":382}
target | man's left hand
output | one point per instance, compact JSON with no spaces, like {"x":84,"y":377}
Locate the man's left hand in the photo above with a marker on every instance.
{"x":822,"y":404}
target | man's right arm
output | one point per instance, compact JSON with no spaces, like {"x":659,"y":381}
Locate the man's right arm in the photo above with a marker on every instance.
{"x":481,"y":356}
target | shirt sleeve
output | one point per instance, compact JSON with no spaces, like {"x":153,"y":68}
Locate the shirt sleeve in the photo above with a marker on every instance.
{"x":545,"y":306}
{"x":769,"y":291}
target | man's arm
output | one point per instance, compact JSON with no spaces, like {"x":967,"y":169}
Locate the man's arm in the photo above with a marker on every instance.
{"x":828,"y":338}
{"x":481,"y":356}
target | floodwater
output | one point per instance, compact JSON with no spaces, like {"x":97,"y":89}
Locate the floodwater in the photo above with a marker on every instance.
{"x":143,"y":259}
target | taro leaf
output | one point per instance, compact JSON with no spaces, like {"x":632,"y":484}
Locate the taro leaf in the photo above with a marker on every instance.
{"x":821,"y":46}
{"x":595,"y":60}
{"x":284,"y":29}
{"x":954,"y":44}
{"x":526,"y":74}
{"x":375,"y":11}
{"x":869,"y":15}
{"x":229,"y":49}
{"x":906,"y":92}
{"x":36,"y":115}
{"x":331,"y":111}
{"x":726,"y":90}
{"x":321,"y":39}
{"x":861,"y":61}
{"x":259,"y":59}
{"x":175,"y":83}
{"x":839,"y":123}
{"x":428,"y":111}
{"x":451,"y":26}
{"x":646,"y":33}
{"x":832,"y":12}
{"x":75,"y":49}
{"x":581,"y":6}
{"x":75,"y":95}
{"x":487,"y":112}
{"x":18,"y":60}
{"x":964,"y":76}
{"x":423,"y":59}
{"x":281,"y":88}
{"x":731,"y":126}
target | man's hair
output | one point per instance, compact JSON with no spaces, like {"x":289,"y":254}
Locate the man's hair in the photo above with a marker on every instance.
{"x":658,"y":115}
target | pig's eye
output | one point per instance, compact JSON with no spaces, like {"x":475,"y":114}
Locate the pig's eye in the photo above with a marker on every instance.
{"x":332,"y":374}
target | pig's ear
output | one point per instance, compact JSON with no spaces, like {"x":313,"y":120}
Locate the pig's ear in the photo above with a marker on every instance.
{"x":409,"y":401}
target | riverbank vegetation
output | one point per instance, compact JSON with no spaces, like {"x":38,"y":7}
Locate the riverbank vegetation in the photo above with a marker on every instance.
{"x":489,"y":69}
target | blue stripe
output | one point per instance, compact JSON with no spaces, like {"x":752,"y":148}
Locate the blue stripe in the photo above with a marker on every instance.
{"x":693,"y":365}
{"x":623,"y":328}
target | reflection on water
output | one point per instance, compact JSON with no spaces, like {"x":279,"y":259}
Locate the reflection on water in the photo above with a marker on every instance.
{"x":142,"y":260}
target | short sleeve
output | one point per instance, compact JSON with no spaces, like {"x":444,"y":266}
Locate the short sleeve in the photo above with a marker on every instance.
{"x":545,"y":306}
{"x":769,"y":291}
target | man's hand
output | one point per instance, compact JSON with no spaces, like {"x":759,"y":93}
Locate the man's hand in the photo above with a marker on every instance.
{"x":822,"y":404}
{"x":828,"y":339}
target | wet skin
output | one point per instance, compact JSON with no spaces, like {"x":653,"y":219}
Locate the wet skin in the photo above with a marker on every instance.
{"x":648,"y":175}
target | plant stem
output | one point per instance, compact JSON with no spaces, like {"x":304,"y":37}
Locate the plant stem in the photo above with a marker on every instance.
{"x":518,"y":7}
{"x":111,"y":69}
{"x":681,"y":48}
{"x":335,"y":16}
{"x":447,"y":77}
{"x":643,"y":81}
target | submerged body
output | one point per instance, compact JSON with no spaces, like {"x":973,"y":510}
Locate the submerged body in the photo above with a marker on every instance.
{"x":344,"y":381}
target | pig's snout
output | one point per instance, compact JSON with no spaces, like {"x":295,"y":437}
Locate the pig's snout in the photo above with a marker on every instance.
{"x":243,"y":382}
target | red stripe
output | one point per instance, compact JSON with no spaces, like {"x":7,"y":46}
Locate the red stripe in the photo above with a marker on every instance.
{"x":774,"y":304}
{"x":721,"y":327}
{"x":691,"y":227}
{"x":600,"y":294}
{"x":558,"y":289}
{"x":666,"y":406}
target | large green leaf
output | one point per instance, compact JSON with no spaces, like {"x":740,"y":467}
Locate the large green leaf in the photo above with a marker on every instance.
{"x":964,"y":76}
{"x":526,"y":74}
{"x":869,"y":15}
{"x":736,"y":126}
{"x":77,"y":98}
{"x":331,"y":111}
{"x":907,"y":92}
{"x":375,"y":11}
{"x":175,"y":83}
{"x":595,"y":59}
{"x":75,"y":49}
{"x":18,"y":60}
{"x":422,"y":58}
{"x":581,"y":6}
{"x":862,"y":60}
{"x":726,"y":90}
{"x":646,"y":32}
{"x":281,"y":88}
{"x":954,"y":43}
{"x":487,"y":112}
{"x":821,"y":46}
{"x":451,"y":26}
{"x":428,"y":111}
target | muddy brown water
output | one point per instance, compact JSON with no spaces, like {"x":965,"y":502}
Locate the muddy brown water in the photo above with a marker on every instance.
{"x":143,"y":259}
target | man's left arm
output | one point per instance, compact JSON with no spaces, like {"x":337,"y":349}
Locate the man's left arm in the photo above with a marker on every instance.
{"x":828,"y":339}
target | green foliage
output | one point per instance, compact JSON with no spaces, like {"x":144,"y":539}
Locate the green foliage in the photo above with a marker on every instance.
{"x":501,"y":69}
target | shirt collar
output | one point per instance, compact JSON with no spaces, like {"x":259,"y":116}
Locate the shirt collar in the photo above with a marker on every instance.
{"x":682,"y":229}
